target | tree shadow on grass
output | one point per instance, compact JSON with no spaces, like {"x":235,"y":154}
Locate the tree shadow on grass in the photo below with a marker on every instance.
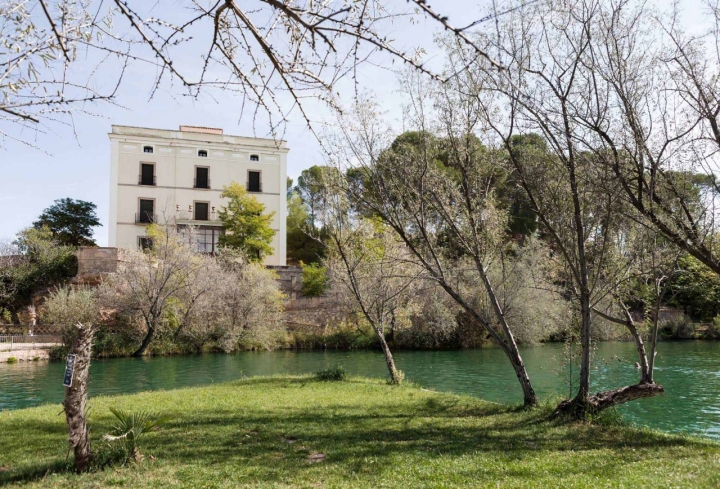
{"x":273,"y":442}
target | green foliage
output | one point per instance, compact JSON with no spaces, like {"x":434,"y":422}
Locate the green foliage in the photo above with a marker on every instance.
{"x":42,"y":262}
{"x":246,"y":226}
{"x":338,"y":373}
{"x":12,"y":360}
{"x":315,"y":280}
{"x":70,"y":221}
{"x":303,"y":241}
{"x":130,"y":427}
{"x":696,"y":289}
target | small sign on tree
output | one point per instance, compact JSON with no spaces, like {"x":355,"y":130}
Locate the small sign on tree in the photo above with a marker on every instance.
{"x":69,"y":369}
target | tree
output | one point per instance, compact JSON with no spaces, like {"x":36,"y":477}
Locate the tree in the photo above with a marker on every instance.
{"x":303,"y":243}
{"x":76,"y":309}
{"x":246,"y":227}
{"x":34,"y":260}
{"x":71,"y":222}
{"x":275,"y":56}
{"x":367,"y":261}
{"x":430,"y":204}
{"x":550,"y":87}
{"x":147,"y":285}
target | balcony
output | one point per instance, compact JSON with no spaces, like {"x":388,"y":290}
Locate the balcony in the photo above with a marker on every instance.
{"x":191,"y":217}
{"x":201,"y":183}
{"x":145,"y":218}
{"x":257,"y":187}
{"x":146,"y":180}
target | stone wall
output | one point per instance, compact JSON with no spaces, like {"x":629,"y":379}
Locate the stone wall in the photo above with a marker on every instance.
{"x":289,"y":280}
{"x":94,"y":262}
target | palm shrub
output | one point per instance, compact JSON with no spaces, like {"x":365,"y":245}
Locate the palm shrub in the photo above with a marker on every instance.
{"x":130,"y":427}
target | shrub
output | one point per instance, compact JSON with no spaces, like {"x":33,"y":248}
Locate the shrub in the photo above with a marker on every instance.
{"x":130,"y":427}
{"x":336,"y":374}
{"x":315,"y":280}
{"x":12,"y":360}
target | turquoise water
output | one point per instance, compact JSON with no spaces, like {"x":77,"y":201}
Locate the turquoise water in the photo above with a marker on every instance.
{"x":690,"y":372}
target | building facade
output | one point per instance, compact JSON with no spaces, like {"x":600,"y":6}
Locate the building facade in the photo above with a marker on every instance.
{"x":159,"y":175}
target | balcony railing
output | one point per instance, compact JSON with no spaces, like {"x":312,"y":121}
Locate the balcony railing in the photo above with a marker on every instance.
{"x":253,"y":188}
{"x":144,"y":218}
{"x":191,"y":216}
{"x":146,"y":180}
{"x":202,"y":183}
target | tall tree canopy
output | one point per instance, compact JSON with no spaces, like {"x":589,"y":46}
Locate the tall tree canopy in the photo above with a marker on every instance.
{"x":246,"y":225}
{"x":71,"y":222}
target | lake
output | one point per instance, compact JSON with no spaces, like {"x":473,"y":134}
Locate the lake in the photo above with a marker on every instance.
{"x":690,"y":372}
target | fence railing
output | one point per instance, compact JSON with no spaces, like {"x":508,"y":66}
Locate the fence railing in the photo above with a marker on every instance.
{"x":15,"y":340}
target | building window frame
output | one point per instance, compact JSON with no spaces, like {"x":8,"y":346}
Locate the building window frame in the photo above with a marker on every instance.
{"x":254,"y":157}
{"x":201,"y":244}
{"x":202,"y":153}
{"x":139,"y":218}
{"x":145,"y":243}
{"x":140,"y":179}
{"x":195,"y":179}
{"x":194,"y":215}
{"x":247,"y":185}
{"x":150,"y":148}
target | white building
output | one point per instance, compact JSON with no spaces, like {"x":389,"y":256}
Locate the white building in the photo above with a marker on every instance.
{"x":159,"y":175}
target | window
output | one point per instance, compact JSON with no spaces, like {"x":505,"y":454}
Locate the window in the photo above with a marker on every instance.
{"x":147,"y":149}
{"x":147,"y":174}
{"x":254,"y":158}
{"x":254,"y":184}
{"x":201,"y":211}
{"x":201,"y":177}
{"x":145,"y":243}
{"x":207,"y":239}
{"x":147,"y":211}
{"x":202,"y":153}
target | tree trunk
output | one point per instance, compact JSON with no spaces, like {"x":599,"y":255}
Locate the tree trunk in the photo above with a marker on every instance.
{"x":395,"y":376}
{"x":603,"y":400}
{"x":653,"y":339}
{"x":76,"y":399}
{"x":510,"y":345}
{"x":145,"y":342}
{"x":581,"y":399}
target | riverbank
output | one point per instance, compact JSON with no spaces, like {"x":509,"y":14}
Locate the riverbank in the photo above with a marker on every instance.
{"x":295,"y":431}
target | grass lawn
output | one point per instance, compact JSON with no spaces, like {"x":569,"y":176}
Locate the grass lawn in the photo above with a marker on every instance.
{"x":260,"y":433}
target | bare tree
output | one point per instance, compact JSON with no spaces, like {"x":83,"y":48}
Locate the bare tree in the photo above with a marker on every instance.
{"x":550,"y":87}
{"x":148,"y":284}
{"x":366,"y":259}
{"x":439,"y":210}
{"x":275,"y":55}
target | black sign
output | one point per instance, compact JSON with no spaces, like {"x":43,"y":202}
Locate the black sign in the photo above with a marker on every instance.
{"x":69,"y":370}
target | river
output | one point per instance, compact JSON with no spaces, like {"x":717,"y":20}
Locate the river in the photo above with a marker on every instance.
{"x":689,"y":370}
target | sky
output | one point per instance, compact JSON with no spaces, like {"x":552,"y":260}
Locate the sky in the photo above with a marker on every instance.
{"x":78,"y":166}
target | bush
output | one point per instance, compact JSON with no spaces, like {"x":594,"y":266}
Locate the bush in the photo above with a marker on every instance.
{"x":130,"y":427}
{"x":336,"y":374}
{"x":12,"y":360}
{"x":315,"y":280}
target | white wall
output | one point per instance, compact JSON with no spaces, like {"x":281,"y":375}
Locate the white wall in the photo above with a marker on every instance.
{"x":175,"y":158}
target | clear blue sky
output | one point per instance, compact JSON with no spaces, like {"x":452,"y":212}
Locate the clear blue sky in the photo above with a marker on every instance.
{"x":30,"y":180}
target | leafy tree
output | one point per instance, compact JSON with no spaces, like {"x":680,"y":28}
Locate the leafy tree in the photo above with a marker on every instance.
{"x":71,"y":222}
{"x":246,"y":226}
{"x":311,"y":187}
{"x":315,"y":280}
{"x":36,"y":261}
{"x":302,"y":242}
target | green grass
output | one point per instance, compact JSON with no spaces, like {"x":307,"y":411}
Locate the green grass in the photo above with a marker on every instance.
{"x":260,"y":433}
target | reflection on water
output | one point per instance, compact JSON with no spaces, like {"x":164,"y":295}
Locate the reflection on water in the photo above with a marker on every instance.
{"x":690,"y":372}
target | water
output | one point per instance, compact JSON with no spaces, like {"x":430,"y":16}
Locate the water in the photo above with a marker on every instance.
{"x":690,"y":372}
